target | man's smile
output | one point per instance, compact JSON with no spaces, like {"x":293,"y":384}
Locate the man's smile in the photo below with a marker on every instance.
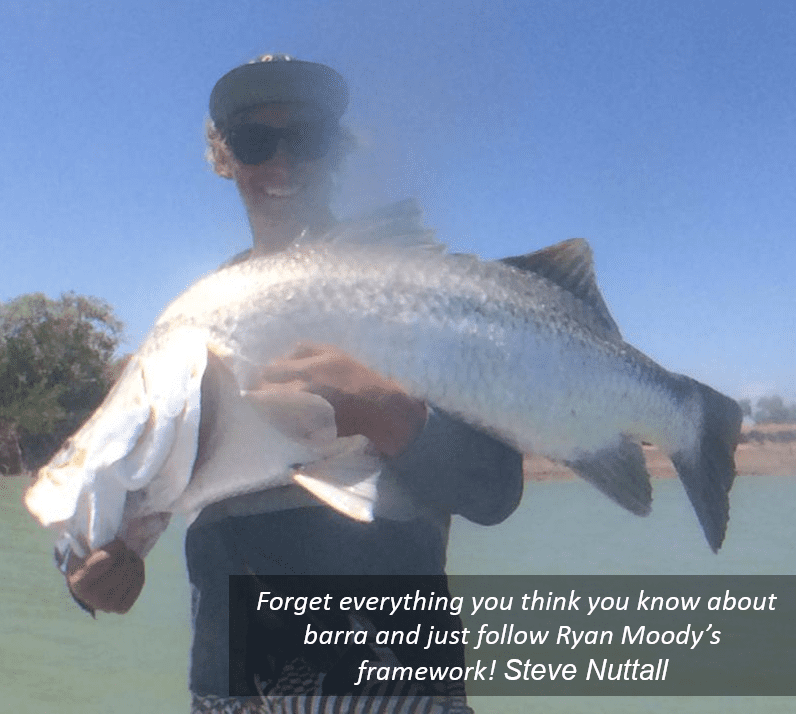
{"x":280,"y":192}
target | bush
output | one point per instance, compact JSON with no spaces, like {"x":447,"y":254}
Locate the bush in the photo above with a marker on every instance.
{"x":56,"y":362}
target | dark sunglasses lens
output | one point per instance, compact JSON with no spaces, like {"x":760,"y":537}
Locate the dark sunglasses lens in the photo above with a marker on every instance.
{"x":309,"y":141}
{"x":254,"y":143}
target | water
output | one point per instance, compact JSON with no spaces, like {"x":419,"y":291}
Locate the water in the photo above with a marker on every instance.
{"x":568,"y":528}
{"x":54,"y":657}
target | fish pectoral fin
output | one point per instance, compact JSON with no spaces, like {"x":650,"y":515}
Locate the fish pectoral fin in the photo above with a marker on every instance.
{"x":620,"y":473}
{"x":300,"y":416}
{"x":348,"y":483}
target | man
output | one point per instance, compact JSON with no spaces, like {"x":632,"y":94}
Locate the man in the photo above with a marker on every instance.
{"x":275,"y":131}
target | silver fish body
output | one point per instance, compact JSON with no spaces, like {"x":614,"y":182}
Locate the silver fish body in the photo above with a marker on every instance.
{"x":525,"y":350}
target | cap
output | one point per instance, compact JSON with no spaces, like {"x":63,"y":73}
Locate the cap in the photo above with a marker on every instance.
{"x":278,"y":78}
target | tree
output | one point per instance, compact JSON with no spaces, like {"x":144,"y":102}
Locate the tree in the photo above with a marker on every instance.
{"x":56,"y":362}
{"x":774,"y":410}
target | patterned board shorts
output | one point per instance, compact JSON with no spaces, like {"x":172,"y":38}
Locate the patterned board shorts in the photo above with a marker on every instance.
{"x":321,"y":704}
{"x":297,"y":676}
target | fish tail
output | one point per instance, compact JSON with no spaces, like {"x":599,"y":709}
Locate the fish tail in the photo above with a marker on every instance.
{"x":706,"y":468}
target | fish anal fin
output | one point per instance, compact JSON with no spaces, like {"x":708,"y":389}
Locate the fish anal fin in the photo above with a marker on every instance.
{"x":569,"y":265}
{"x":301,"y":416}
{"x":620,"y":473}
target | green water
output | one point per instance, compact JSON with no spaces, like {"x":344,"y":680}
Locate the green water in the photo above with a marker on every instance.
{"x":55,"y":658}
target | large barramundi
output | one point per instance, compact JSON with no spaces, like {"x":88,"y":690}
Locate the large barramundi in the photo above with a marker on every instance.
{"x":524,"y":349}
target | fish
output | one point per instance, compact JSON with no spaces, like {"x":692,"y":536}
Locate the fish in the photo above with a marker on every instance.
{"x":524,"y":349}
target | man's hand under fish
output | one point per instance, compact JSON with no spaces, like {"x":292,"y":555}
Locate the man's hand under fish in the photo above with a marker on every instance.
{"x":112,"y":576}
{"x":110,"y":579}
{"x":364,"y":401}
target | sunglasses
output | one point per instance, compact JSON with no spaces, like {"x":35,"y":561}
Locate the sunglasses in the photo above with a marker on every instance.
{"x":255,"y":143}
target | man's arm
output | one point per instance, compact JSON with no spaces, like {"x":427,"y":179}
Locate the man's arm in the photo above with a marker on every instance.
{"x":443,"y":461}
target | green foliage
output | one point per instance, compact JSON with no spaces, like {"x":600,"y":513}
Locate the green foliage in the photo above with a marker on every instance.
{"x":56,"y":359}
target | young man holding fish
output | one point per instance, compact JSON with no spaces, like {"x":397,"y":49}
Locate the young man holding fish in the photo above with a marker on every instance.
{"x":275,"y":131}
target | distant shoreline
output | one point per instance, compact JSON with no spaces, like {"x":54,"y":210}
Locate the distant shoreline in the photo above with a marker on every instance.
{"x":764,"y":450}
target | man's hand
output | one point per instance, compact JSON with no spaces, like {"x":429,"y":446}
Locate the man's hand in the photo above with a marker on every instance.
{"x":110,"y":579}
{"x":364,"y":401}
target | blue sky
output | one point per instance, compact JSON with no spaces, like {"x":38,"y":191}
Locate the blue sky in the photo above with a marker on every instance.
{"x":663,"y":132}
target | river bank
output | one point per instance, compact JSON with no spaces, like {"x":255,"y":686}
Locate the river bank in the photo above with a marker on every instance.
{"x":764,"y":450}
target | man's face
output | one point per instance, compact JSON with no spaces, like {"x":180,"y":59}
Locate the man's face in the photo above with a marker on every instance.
{"x":285,"y":187}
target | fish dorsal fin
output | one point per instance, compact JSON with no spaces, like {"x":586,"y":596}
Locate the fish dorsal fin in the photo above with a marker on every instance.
{"x":398,"y":225}
{"x":569,"y":265}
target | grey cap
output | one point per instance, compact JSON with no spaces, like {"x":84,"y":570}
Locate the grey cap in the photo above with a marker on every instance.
{"x":278,"y":78}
